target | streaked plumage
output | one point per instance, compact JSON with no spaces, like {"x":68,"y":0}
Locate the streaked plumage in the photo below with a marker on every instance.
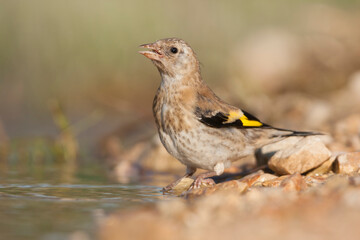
{"x":194,"y":125}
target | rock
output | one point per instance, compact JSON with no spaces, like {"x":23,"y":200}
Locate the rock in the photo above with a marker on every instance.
{"x":294,"y":182}
{"x":323,"y":168}
{"x":274,"y":182}
{"x":264,"y":154}
{"x":306,"y":154}
{"x":263,"y":178}
{"x":251,"y":178}
{"x":182,"y":186}
{"x":233,"y":186}
{"x":347,"y":163}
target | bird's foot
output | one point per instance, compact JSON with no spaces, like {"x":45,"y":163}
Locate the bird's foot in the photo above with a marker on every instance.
{"x":203,"y":179}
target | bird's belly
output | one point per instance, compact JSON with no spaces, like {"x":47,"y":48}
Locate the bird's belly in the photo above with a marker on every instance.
{"x":204,"y":149}
{"x":169,"y":144}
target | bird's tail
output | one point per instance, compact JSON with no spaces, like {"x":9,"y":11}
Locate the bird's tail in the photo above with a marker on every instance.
{"x":281,"y":132}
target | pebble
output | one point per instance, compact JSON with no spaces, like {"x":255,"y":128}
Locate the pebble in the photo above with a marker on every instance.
{"x":305,"y":155}
{"x":347,"y":163}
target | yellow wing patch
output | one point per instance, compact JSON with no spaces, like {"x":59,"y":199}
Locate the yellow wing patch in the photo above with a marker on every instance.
{"x":250,"y":123}
{"x":237,"y":115}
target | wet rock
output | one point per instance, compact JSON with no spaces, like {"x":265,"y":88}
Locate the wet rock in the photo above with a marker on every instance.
{"x":347,"y":163}
{"x":294,"y":182}
{"x":307,"y":154}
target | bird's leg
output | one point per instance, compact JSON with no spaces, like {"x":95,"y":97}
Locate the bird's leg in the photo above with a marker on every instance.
{"x":204,"y":178}
{"x":189,"y":172}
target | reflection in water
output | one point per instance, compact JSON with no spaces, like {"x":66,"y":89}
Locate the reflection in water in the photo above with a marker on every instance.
{"x":46,"y":211}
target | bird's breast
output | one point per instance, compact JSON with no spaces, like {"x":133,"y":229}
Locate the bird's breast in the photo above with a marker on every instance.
{"x":172,"y":112}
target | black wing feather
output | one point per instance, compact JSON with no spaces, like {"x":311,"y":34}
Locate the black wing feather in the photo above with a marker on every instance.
{"x":219,"y":121}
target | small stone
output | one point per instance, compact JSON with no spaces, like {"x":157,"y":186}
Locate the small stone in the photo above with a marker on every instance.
{"x":294,"y":182}
{"x":233,"y":186}
{"x":251,"y":178}
{"x":274,"y":182}
{"x":306,"y":154}
{"x":264,"y":154}
{"x":347,"y":163}
{"x":263,"y":178}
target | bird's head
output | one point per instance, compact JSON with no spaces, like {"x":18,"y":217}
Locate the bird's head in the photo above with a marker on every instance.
{"x":172,"y":56}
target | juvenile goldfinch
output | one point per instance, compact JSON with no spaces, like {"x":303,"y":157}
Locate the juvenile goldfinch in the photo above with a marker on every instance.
{"x":196,"y":126}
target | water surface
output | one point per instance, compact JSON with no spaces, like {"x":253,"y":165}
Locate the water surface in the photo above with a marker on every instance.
{"x":48,"y":209}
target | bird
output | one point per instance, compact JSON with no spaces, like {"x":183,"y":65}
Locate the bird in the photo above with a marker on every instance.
{"x":197,"y":127}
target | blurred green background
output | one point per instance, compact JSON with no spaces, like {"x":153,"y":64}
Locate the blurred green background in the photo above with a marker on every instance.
{"x":73,"y":65}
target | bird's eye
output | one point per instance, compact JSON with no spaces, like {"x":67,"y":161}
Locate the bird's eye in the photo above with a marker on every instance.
{"x":174,"y":50}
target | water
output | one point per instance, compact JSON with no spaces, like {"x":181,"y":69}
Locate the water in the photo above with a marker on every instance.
{"x":44,"y":210}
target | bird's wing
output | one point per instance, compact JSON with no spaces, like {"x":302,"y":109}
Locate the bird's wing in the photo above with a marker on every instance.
{"x":232,"y":118}
{"x":213,"y":112}
{"x":242,"y":119}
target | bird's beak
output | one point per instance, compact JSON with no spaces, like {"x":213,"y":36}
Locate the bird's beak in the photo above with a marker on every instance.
{"x":153,"y":54}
